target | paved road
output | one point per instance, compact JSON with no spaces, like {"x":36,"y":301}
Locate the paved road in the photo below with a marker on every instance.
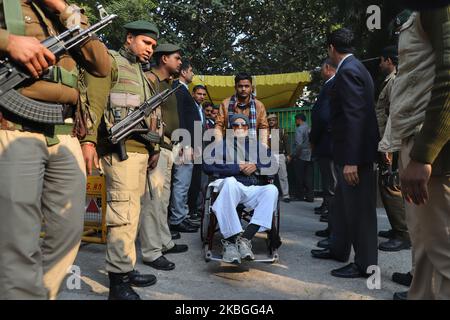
{"x":296,"y":276}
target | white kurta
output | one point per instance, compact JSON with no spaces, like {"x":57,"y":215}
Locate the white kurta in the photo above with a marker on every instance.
{"x":261,"y":199}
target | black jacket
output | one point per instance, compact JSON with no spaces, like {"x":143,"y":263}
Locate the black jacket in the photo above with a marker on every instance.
{"x":354,"y":127}
{"x":320,"y":135}
{"x":187,"y":110}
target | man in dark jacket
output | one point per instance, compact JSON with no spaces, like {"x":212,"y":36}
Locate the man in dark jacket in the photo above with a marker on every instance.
{"x":238,"y":162}
{"x":355,"y":139}
{"x":320,"y":137}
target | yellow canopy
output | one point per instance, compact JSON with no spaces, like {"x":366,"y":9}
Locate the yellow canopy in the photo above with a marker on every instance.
{"x":275,"y":90}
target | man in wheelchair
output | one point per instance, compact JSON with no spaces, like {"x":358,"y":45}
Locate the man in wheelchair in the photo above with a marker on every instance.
{"x":238,"y":162}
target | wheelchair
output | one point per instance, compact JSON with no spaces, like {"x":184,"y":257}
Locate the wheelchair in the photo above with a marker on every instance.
{"x":209,"y":227}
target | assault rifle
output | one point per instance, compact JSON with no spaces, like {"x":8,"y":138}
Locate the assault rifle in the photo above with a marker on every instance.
{"x":134,"y":122}
{"x":13,"y":75}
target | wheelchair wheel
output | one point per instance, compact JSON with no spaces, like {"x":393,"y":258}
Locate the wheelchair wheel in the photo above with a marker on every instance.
{"x":204,"y":223}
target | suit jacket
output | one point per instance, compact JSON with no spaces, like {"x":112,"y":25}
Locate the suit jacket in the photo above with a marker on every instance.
{"x":354,"y":127}
{"x":187,"y":110}
{"x":320,"y":135}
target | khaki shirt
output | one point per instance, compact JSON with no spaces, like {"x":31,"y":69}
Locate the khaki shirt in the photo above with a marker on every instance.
{"x":93,"y":57}
{"x":383,"y":103}
{"x":261,"y":119}
{"x":168,"y":109}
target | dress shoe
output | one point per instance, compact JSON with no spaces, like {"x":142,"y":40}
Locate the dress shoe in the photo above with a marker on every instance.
{"x":309,"y":200}
{"x":324,"y":218}
{"x":195,"y":217}
{"x":287,"y":200}
{"x":141,"y":280}
{"x":325,"y":243}
{"x":404,"y":279}
{"x":324,"y":254}
{"x":178,"y":248}
{"x":323,"y":233}
{"x":161,"y":264}
{"x":401,"y":295}
{"x":394,"y":245}
{"x":389,"y":234}
{"x":319,"y":208}
{"x":321,"y":212}
{"x":175,"y":235}
{"x":349,"y":271}
{"x":120,"y":287}
{"x":192,"y":223}
{"x":183,"y":227}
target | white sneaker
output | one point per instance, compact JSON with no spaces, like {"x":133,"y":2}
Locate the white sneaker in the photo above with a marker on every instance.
{"x":245,"y":249}
{"x":230,"y":252}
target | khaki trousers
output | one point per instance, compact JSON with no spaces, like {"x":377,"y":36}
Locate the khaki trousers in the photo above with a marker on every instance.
{"x":125,"y":189}
{"x":154,"y":232}
{"x":283,"y":176}
{"x":39,"y":184}
{"x":429,"y":228}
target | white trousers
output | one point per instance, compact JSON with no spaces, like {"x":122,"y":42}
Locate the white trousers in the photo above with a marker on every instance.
{"x":261,"y":199}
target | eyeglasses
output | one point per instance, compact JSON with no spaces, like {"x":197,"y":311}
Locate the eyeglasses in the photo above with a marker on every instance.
{"x":240,"y":125}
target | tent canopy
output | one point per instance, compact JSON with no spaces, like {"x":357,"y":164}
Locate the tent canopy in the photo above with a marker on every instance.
{"x":275,"y":91}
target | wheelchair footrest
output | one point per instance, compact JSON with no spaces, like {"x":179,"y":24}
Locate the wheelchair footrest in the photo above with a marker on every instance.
{"x":209,"y":256}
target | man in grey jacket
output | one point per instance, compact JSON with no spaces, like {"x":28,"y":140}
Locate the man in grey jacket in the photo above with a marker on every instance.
{"x":302,"y":160}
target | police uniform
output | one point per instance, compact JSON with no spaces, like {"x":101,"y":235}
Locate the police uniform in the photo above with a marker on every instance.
{"x":42,"y":173}
{"x":110,"y":99}
{"x":154,"y":231}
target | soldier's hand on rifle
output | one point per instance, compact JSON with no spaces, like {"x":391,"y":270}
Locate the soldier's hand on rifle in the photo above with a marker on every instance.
{"x":31,"y":53}
{"x":90,"y":157}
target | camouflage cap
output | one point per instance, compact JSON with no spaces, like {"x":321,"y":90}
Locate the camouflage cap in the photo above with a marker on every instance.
{"x":142,"y":27}
{"x":166,"y":48}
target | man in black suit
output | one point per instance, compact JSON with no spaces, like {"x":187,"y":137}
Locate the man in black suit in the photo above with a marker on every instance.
{"x":320,"y":137}
{"x":355,"y":139}
{"x":190,"y":117}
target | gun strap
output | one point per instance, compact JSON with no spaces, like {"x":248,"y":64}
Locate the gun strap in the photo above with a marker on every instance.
{"x":47,"y":23}
{"x":13,"y":17}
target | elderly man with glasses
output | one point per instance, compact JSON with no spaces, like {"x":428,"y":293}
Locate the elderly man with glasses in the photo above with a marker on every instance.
{"x":241,"y":163}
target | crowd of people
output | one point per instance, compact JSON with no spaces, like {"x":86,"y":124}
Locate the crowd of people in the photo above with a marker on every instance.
{"x":153,"y":186}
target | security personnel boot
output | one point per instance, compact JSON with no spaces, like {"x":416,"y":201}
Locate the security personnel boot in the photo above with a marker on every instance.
{"x":120,"y":287}
{"x":141,"y":280}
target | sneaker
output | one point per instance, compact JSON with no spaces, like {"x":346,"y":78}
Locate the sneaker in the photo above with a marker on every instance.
{"x":230,"y":252}
{"x":245,"y":249}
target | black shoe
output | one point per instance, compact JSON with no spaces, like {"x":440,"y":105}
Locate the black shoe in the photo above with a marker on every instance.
{"x":349,"y":271}
{"x":322,"y":212}
{"x":183,"y":227}
{"x":194,"y":217}
{"x":175,"y":235}
{"x":324,"y":254}
{"x":325,"y":243}
{"x":192,"y":223}
{"x":161,"y":264}
{"x":324,"y":218}
{"x":394,"y":245}
{"x":320,"y":208}
{"x":323,"y":233}
{"x":120,"y":287}
{"x":141,"y":280}
{"x":287,"y":200}
{"x":404,"y":279}
{"x":389,"y":234}
{"x":309,"y":200}
{"x":401,"y":295}
{"x":178,"y":248}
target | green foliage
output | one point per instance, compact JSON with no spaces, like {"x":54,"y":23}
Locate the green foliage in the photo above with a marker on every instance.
{"x":258,"y":36}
